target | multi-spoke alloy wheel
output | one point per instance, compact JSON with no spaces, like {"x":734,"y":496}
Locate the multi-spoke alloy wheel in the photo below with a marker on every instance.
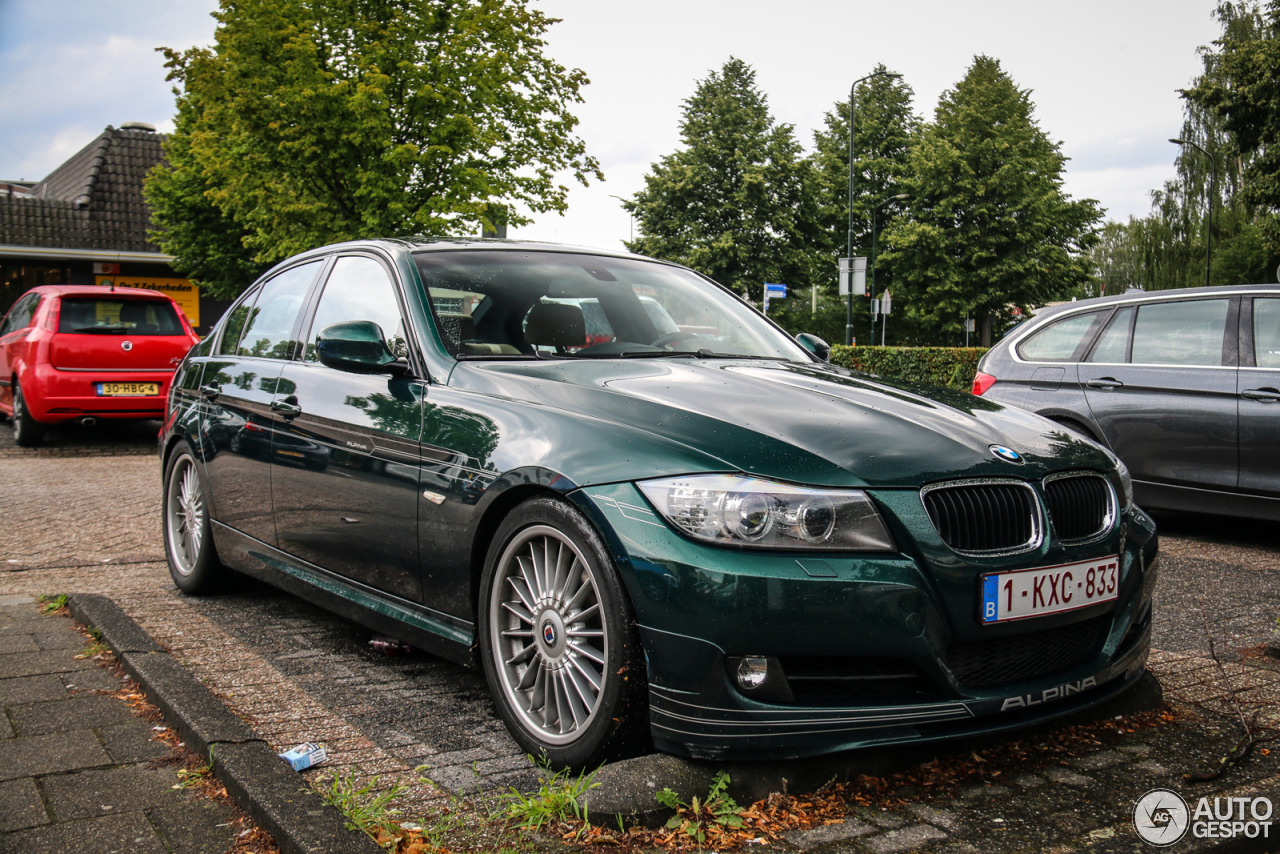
{"x":559,"y":644}
{"x":193,"y":563}
{"x":550,"y":634}
{"x":185,"y":519}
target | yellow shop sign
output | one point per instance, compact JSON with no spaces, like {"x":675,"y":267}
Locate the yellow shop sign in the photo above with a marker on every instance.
{"x":185,"y":294}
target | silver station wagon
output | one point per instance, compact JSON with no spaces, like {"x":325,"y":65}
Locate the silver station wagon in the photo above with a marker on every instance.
{"x":1183,"y":385}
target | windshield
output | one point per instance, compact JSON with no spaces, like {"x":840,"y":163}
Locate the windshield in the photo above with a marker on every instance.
{"x":118,"y":316}
{"x":512,"y":304}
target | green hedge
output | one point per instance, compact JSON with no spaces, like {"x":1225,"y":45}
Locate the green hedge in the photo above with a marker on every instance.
{"x":952,"y":367}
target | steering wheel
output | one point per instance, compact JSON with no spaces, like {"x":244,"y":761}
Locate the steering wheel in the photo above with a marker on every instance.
{"x":671,"y":338}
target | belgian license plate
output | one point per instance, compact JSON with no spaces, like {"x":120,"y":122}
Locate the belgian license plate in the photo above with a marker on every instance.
{"x":128,"y":389}
{"x":1027,"y":593}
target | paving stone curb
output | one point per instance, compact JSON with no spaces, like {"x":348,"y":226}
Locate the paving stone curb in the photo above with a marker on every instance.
{"x":261,"y":783}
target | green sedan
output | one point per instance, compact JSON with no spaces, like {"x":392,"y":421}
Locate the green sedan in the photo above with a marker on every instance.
{"x":650,"y":516}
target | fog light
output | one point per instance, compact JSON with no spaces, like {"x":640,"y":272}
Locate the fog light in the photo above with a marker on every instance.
{"x":752,"y":671}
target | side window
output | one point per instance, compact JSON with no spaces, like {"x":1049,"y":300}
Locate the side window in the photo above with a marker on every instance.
{"x":1059,"y":341}
{"x":1113,"y":343}
{"x":359,"y":288}
{"x":235,"y":324}
{"x":20,"y":315}
{"x":269,"y":329}
{"x":1180,"y":333}
{"x":1266,"y":332}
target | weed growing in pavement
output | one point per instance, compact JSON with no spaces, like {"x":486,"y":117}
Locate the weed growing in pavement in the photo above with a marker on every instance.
{"x":53,"y":604}
{"x":95,"y":646}
{"x":695,"y":819}
{"x":556,"y":799}
{"x":364,"y":810}
{"x":190,"y":778}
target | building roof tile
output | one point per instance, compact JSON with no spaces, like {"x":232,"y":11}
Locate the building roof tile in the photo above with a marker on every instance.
{"x":92,"y":201}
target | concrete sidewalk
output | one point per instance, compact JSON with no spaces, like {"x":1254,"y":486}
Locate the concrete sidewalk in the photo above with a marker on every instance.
{"x":79,"y":771}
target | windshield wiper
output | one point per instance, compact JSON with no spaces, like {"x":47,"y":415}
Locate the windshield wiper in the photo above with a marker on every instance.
{"x":104,"y":330}
{"x":691,"y":354}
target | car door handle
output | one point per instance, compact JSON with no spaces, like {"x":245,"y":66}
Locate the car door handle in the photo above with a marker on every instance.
{"x":210,"y":391}
{"x":1266,"y":395}
{"x":288,"y":407}
{"x":1104,"y":382}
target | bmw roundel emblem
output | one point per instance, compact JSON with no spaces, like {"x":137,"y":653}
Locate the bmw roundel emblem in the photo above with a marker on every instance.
{"x":1007,"y":454}
{"x":549,"y":634}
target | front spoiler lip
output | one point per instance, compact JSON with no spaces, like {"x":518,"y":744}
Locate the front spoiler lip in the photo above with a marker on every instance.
{"x":681,"y":726}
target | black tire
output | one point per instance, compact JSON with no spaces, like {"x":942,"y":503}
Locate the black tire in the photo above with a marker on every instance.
{"x":27,"y":431}
{"x":188,"y":536}
{"x":598,"y":706}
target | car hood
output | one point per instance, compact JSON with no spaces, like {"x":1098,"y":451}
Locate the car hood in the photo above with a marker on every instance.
{"x":806,"y":424}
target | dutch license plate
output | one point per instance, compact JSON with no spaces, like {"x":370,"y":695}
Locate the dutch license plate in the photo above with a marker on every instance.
{"x":128,"y":389}
{"x":1049,"y":590}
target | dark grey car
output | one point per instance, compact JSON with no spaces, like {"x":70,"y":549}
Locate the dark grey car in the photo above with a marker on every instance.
{"x":1183,"y":385}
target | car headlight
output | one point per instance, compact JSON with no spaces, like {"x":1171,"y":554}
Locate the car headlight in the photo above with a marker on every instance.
{"x":736,"y":510}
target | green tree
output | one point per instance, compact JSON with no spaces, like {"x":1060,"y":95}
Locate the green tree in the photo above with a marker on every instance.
{"x":990,"y":227}
{"x":737,"y":202}
{"x":314,"y":121}
{"x":207,"y":244}
{"x":1239,"y":88}
{"x":1167,"y":248}
{"x":885,"y":129}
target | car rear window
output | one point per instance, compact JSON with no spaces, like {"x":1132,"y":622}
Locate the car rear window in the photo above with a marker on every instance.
{"x":1058,"y":341}
{"x":111,"y":316}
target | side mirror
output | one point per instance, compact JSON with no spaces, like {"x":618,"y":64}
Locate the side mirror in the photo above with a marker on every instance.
{"x":815,"y":345}
{"x":358,"y":347}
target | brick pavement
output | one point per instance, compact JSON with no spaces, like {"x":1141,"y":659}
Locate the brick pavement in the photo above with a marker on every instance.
{"x":297,"y":673}
{"x":78,"y":770}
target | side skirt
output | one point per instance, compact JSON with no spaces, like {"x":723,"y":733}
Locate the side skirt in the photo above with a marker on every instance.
{"x":437,"y":633}
{"x":1190,"y":500}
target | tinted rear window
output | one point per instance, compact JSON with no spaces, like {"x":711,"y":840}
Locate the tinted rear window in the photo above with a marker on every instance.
{"x":1058,"y":341}
{"x":107,"y":316}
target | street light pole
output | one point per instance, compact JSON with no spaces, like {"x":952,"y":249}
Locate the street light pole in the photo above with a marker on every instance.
{"x":1213,"y":186}
{"x":874,"y":212}
{"x":853,"y":99}
{"x":633,"y":216}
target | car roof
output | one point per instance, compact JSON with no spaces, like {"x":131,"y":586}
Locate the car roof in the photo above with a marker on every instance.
{"x":1136,"y":295}
{"x":95,"y":291}
{"x":447,"y":244}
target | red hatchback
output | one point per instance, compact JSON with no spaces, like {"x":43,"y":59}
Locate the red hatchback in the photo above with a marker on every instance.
{"x":83,"y":352}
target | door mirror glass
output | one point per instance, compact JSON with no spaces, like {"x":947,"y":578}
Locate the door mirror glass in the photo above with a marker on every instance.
{"x":815,"y":345}
{"x":358,"y":346}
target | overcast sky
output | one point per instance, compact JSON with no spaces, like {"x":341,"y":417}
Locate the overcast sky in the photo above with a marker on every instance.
{"x":1104,"y":76}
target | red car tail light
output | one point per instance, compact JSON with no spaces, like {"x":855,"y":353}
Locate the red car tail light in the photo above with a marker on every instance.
{"x":982,"y":382}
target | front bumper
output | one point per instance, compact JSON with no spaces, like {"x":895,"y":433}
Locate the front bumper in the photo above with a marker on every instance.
{"x":699,"y":607}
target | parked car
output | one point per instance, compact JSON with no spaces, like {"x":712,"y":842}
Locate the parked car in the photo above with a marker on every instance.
{"x":711,"y":542}
{"x":84,"y":352}
{"x":1182,"y":385}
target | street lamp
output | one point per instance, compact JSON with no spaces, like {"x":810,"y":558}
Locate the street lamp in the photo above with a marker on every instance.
{"x":1213,"y":183}
{"x":633,"y":216}
{"x":874,"y":212}
{"x":853,"y":96}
